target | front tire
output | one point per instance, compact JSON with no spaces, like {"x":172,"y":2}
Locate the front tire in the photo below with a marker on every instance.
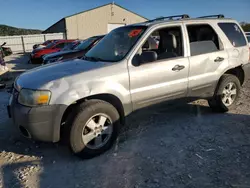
{"x":226,"y":95}
{"x":94,"y":128}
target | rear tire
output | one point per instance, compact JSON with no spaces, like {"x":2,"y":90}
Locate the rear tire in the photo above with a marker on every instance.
{"x":94,"y":128}
{"x":226,"y":95}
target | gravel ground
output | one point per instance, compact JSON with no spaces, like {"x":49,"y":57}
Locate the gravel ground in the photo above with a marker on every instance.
{"x":181,"y":145}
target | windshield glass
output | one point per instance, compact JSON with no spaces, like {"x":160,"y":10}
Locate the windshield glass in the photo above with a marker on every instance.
{"x":70,"y":46}
{"x":85,"y":44}
{"x":50,"y":45}
{"x":115,"y":46}
{"x":46,"y":42}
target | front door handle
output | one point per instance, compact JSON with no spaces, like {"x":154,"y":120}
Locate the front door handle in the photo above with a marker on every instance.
{"x":178,"y":68}
{"x":219,"y":59}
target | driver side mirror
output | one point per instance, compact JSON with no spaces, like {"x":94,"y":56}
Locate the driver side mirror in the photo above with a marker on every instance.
{"x":148,"y":57}
{"x":145,"y":57}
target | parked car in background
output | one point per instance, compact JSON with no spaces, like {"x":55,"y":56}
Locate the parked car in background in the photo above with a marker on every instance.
{"x":36,"y":55}
{"x":6,"y":50}
{"x":86,"y":104}
{"x":77,"y":52}
{"x":43,"y":44}
{"x":71,"y":45}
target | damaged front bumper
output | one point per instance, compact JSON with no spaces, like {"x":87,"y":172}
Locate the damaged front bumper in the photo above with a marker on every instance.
{"x":39,"y":123}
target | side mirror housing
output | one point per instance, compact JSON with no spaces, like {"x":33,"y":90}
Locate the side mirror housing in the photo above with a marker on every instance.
{"x":147,"y":57}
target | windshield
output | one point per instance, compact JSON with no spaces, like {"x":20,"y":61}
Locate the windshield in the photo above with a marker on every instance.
{"x":70,"y":46}
{"x":115,"y":46}
{"x":85,"y":44}
{"x":46,"y":42}
{"x":50,"y":45}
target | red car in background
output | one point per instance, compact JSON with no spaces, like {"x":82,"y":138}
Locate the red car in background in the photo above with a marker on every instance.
{"x":37,"y":54}
{"x":44,"y":44}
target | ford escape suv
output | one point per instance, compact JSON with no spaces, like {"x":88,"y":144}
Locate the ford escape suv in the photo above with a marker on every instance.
{"x":85,"y":101}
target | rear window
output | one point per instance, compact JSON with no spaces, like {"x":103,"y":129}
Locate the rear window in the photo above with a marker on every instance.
{"x":233,"y":33}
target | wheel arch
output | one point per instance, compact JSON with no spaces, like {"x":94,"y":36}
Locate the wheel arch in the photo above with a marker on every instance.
{"x":238,"y":72}
{"x":110,"y":98}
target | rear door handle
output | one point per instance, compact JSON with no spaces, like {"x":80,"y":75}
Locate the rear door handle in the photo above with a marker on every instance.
{"x":178,"y":68}
{"x":219,"y":59}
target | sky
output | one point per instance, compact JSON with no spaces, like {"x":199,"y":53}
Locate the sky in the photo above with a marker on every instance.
{"x":40,"y":14}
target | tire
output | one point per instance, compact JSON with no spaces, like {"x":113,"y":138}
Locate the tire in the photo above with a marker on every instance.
{"x":218,"y":102}
{"x":84,"y":113}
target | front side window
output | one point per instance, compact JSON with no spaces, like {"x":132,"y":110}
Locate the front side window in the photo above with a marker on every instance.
{"x":116,"y":45}
{"x":233,"y":33}
{"x":203,"y":39}
{"x":166,"y":42}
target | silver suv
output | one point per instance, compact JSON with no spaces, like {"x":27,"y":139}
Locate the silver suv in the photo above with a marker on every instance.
{"x":85,"y":101}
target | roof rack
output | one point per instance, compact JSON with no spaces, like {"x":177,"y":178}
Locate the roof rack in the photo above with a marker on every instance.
{"x":213,"y":16}
{"x":183,"y":16}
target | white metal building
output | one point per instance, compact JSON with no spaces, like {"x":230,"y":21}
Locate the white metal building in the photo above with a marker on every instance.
{"x":97,"y":21}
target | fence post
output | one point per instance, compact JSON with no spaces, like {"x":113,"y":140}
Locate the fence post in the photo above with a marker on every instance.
{"x":23,"y":44}
{"x":44,"y":37}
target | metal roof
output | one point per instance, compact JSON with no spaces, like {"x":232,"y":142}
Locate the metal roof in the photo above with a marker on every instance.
{"x":91,"y":10}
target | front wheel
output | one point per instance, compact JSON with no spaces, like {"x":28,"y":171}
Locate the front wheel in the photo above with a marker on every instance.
{"x":94,"y":128}
{"x":226,"y":94}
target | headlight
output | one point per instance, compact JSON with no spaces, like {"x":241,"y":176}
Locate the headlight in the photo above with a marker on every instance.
{"x":30,"y":97}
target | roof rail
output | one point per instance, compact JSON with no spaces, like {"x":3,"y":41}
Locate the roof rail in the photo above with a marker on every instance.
{"x":213,"y":16}
{"x":182,"y":16}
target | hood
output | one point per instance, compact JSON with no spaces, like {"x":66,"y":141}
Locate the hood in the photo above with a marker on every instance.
{"x":39,"y":77}
{"x":61,"y":53}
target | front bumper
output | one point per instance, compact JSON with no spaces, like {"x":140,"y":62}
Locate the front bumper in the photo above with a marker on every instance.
{"x":42,"y":123}
{"x":246,"y":69}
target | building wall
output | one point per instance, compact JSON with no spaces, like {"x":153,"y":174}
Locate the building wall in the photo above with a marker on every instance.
{"x":59,"y":27}
{"x":95,"y":22}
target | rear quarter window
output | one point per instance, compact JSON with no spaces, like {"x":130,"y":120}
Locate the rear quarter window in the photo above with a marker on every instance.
{"x":233,"y":33}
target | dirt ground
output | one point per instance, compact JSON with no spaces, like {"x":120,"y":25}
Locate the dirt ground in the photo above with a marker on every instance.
{"x":180,"y":145}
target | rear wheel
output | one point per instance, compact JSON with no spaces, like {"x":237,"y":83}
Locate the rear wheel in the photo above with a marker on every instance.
{"x":226,"y":94}
{"x":94,"y":128}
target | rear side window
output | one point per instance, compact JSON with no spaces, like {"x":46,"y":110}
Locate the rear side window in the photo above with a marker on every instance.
{"x":203,"y":39}
{"x":233,"y":33}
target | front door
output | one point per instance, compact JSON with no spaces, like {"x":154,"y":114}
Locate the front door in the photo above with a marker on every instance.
{"x":167,"y":77}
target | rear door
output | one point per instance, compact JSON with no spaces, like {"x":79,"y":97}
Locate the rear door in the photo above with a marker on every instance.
{"x":208,"y":59}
